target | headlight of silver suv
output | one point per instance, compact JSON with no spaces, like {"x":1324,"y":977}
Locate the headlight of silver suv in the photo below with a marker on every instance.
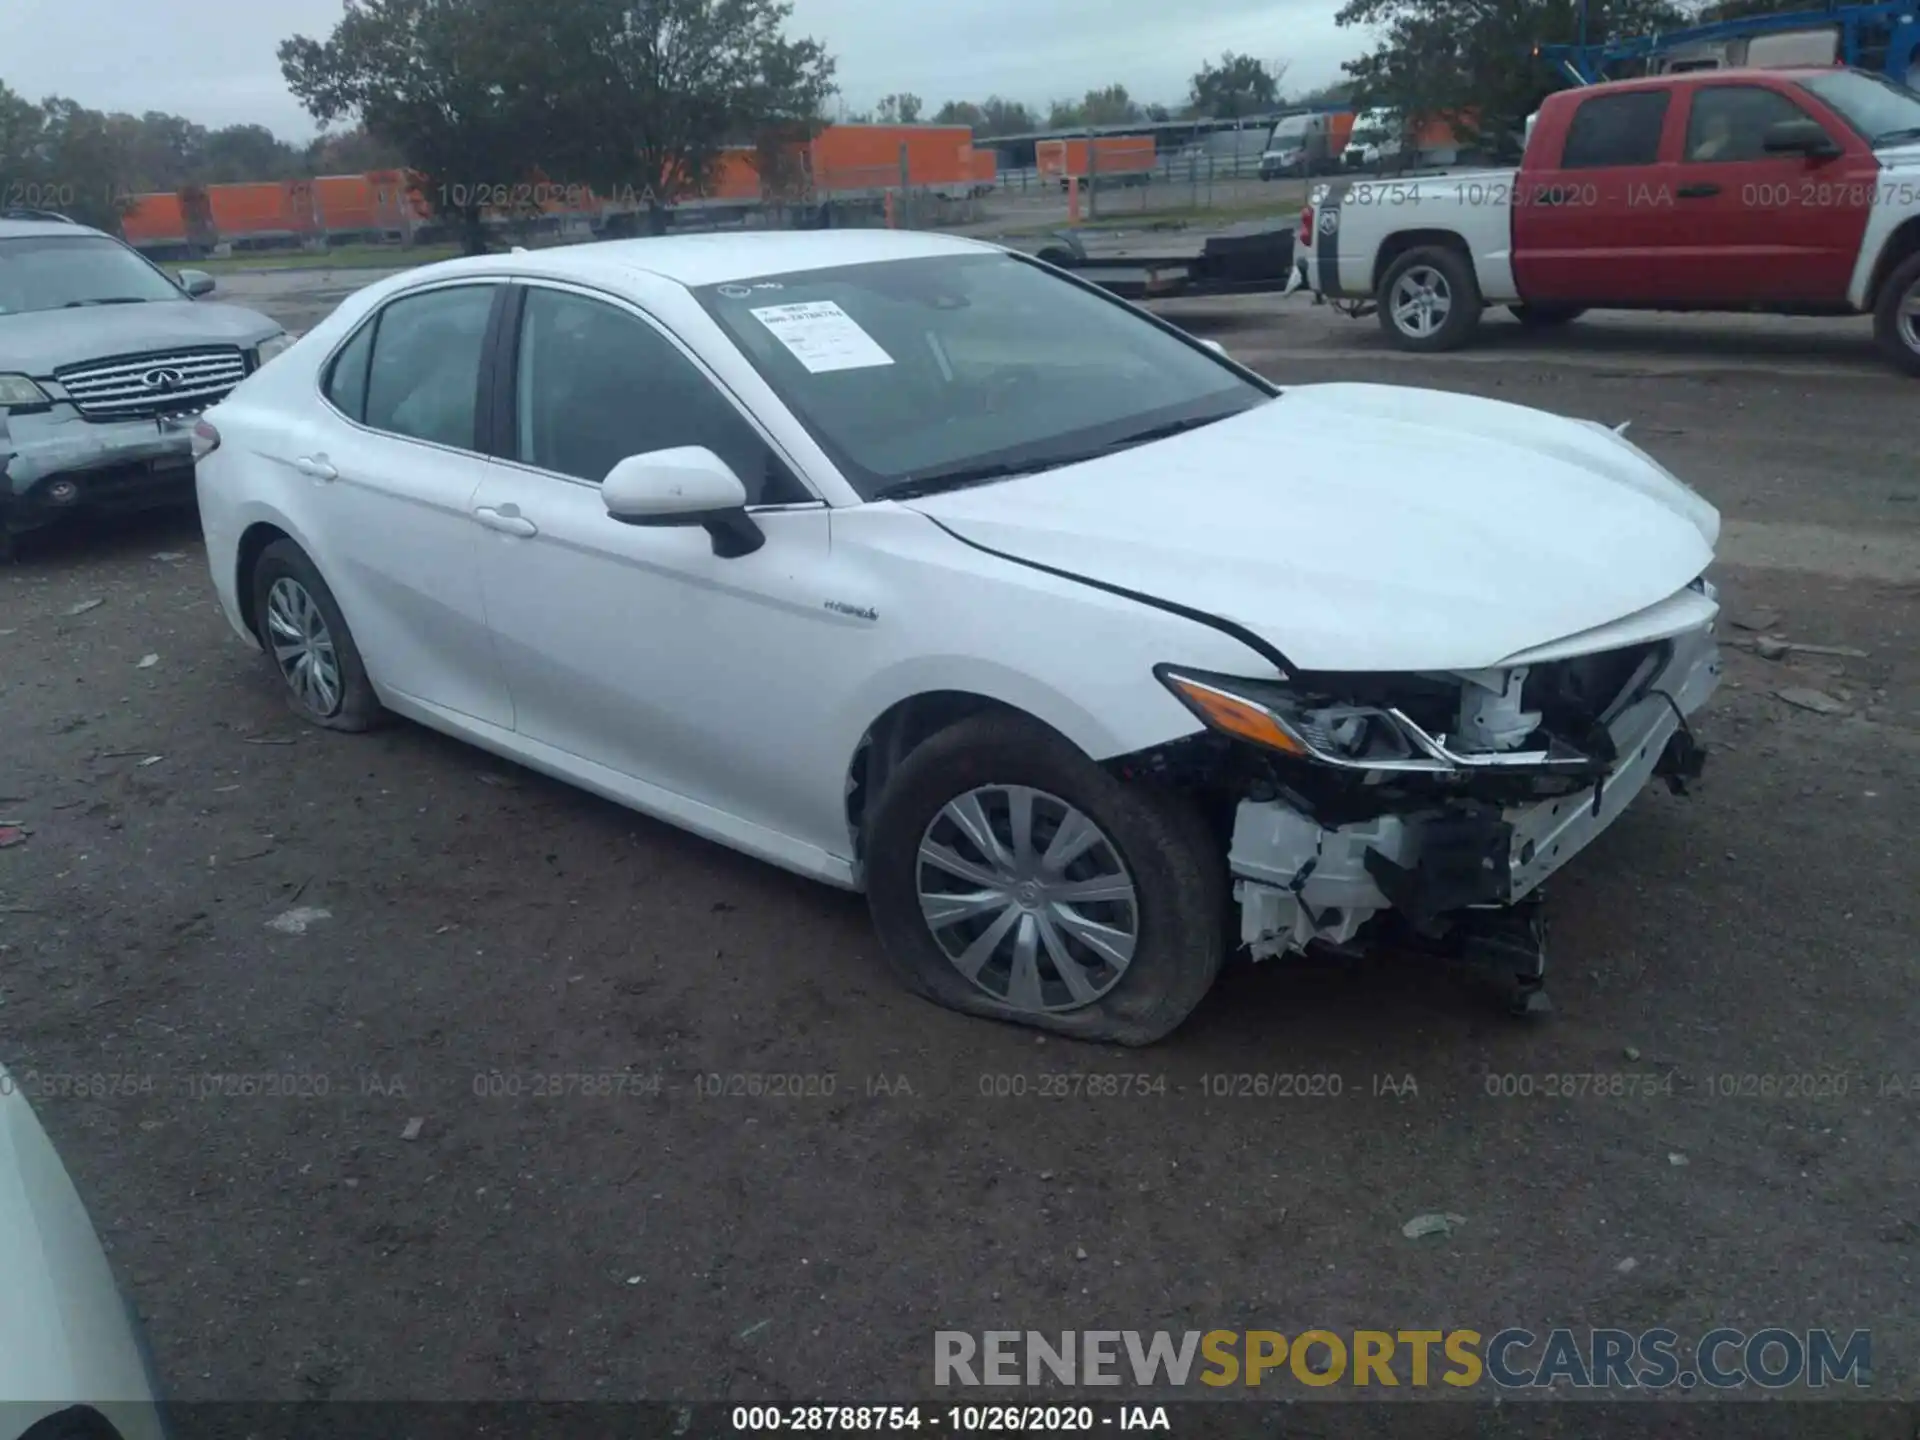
{"x":19,"y":390}
{"x":273,"y":345}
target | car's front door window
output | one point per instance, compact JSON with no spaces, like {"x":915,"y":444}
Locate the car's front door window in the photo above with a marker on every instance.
{"x":597,"y":384}
{"x":1730,"y":122}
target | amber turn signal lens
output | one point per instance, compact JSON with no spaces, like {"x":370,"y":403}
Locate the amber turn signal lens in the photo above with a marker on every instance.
{"x":1235,"y":716}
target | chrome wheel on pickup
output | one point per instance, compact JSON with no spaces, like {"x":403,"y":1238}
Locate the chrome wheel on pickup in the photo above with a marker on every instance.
{"x":1896,"y":318}
{"x":1428,"y":300}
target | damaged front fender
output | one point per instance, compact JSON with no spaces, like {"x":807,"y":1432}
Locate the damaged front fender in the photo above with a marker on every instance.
{"x":1301,"y":877}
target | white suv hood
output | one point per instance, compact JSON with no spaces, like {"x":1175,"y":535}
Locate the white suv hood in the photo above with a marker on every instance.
{"x":1366,"y":527}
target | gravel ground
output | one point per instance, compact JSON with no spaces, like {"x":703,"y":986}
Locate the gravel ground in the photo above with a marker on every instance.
{"x":472,"y":927}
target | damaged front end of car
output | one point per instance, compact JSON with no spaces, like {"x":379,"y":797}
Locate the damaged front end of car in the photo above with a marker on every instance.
{"x":1436,"y":796}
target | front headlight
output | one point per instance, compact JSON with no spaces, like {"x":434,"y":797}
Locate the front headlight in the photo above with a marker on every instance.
{"x":273,"y":345}
{"x":19,"y":390}
{"x":1268,"y":714}
{"x":1363,"y":737}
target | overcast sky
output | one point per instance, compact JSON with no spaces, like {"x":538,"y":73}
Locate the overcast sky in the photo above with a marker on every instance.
{"x":213,"y":60}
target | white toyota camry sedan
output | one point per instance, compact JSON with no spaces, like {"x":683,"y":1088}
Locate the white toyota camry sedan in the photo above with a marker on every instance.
{"x":921,"y":568}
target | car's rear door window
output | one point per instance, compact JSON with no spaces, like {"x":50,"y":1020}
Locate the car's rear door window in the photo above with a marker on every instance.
{"x":1622,"y":129}
{"x":423,"y":380}
{"x":346,"y":382}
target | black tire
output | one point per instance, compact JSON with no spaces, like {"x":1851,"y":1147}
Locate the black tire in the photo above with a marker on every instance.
{"x":1541,"y":317}
{"x":1176,"y":865}
{"x":358,"y":708}
{"x":1898,"y":334}
{"x":1462,"y":294}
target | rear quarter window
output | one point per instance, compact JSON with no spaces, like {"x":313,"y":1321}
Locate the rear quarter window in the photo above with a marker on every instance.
{"x":1619,"y":129}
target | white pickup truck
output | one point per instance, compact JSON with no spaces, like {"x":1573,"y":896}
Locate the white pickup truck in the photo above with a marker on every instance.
{"x":1794,"y":192}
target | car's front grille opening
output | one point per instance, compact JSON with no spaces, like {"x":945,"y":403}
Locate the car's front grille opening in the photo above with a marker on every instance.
{"x":162,"y":383}
{"x":1573,"y":694}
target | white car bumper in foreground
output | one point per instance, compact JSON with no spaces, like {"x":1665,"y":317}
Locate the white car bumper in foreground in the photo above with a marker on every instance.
{"x":67,"y":1337}
{"x":1297,"y":881}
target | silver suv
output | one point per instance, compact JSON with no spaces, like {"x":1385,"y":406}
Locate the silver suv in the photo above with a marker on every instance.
{"x":104,"y":361}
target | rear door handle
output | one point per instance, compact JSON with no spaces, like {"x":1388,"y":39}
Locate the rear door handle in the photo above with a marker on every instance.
{"x":1697,"y":192}
{"x":506,"y":523}
{"x":316,"y":466}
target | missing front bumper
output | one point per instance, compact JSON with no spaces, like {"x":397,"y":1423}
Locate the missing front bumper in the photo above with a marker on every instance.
{"x":1298,"y":882}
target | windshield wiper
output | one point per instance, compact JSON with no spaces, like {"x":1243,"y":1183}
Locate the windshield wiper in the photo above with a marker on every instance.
{"x":1905,"y":132}
{"x":962,"y":477}
{"x":1158,"y":432}
{"x":110,"y":300}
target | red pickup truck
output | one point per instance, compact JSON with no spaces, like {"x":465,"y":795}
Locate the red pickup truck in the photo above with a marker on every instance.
{"x":1795,"y":192}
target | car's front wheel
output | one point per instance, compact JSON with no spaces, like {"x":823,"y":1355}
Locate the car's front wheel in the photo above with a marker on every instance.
{"x":1010,"y":876}
{"x":303,"y":632}
{"x":1896,"y":318}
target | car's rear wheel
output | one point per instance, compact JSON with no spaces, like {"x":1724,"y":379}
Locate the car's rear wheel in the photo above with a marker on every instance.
{"x":303,"y":632}
{"x":1429,"y":300}
{"x":1541,"y":317}
{"x":1896,"y":318}
{"x":1010,"y":876}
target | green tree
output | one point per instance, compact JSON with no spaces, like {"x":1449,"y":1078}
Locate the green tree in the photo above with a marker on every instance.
{"x":246,"y":152}
{"x":649,"y":93}
{"x":1111,"y":106}
{"x":902,"y":109}
{"x":350,"y":152}
{"x":457,"y":86}
{"x":82,"y":162}
{"x":1238,"y":85}
{"x":992,"y":116}
{"x":1473,"y":58}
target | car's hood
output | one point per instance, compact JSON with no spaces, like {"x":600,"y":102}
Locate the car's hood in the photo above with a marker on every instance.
{"x":1366,"y":527}
{"x":38,"y":342}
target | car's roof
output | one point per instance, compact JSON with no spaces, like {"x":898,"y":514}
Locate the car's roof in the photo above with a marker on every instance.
{"x":1744,"y":73}
{"x":710,"y":259}
{"x":24,"y":229}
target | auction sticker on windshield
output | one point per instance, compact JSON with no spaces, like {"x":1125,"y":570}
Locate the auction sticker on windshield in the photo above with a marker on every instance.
{"x":822,"y":336}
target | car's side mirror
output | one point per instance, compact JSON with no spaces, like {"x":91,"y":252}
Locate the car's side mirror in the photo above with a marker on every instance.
{"x":689,"y":485}
{"x":1799,"y":137}
{"x":196,"y":283}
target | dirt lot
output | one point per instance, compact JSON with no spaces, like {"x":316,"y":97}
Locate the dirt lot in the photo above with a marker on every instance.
{"x":484,"y":926}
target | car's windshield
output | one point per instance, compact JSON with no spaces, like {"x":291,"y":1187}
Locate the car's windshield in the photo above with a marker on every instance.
{"x":49,"y":272}
{"x":1880,"y":110}
{"x":923,"y":373}
{"x":1293,"y":129}
{"x":1373,"y":126}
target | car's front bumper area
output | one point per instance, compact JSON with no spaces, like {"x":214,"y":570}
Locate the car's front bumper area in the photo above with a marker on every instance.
{"x":55,"y":463}
{"x":1298,"y":881}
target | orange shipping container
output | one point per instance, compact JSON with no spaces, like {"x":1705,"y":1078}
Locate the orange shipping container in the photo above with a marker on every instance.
{"x":264,"y":208}
{"x":153,"y":218}
{"x":1339,"y":131}
{"x":868,"y":157}
{"x":346,"y":202}
{"x":1112,"y":155}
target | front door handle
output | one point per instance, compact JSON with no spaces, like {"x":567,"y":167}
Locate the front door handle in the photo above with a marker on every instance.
{"x":316,"y":466}
{"x":1697,"y":192}
{"x":507,"y":521}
